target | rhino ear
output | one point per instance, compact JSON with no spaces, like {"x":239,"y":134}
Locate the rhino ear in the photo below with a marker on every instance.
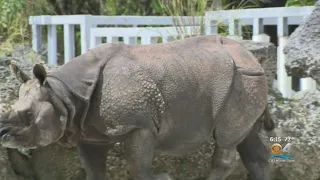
{"x":40,"y":73}
{"x":20,"y":75}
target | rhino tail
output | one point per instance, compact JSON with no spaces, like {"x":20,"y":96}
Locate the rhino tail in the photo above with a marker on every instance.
{"x":268,"y":122}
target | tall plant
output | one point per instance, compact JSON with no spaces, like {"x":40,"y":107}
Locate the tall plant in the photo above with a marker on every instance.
{"x":299,"y":3}
{"x":195,"y":10}
{"x":9,"y":10}
{"x":129,"y":7}
{"x":14,"y":14}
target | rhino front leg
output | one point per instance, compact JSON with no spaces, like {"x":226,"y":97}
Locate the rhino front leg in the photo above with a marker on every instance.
{"x":223,"y":163}
{"x":93,"y":158}
{"x":139,"y":149}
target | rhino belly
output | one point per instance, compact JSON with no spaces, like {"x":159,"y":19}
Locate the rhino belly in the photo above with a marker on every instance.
{"x":185,"y":127}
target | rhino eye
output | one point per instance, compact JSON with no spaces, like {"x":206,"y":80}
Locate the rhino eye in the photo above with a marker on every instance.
{"x":29,"y":115}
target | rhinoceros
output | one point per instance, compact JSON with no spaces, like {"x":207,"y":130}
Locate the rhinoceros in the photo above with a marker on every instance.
{"x":167,"y":97}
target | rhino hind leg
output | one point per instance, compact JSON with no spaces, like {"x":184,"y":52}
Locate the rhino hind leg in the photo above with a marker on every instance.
{"x":93,"y":158}
{"x":223,"y":163}
{"x":254,"y":156}
{"x":139,"y":149}
{"x":236,"y":125}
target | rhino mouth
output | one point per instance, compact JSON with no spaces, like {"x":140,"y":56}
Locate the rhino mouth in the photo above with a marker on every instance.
{"x":13,"y":137}
{"x":5,"y":131}
{"x":10,"y":137}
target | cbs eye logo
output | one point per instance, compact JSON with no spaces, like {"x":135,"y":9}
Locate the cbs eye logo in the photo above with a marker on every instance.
{"x":276,"y":149}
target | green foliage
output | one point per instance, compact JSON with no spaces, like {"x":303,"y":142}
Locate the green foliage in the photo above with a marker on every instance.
{"x":9,"y":10}
{"x":197,"y":8}
{"x":299,"y":3}
{"x":129,"y":7}
{"x":240,"y":4}
{"x":14,"y":19}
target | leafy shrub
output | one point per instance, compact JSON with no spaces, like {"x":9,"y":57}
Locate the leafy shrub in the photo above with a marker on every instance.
{"x":299,"y":3}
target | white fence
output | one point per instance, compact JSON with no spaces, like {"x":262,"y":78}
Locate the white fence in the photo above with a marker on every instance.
{"x":148,"y":35}
{"x":91,"y":34}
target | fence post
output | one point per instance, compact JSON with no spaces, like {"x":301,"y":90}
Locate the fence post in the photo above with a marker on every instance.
{"x":52,"y":45}
{"x":98,"y":41}
{"x":94,"y":41}
{"x":234,"y":29}
{"x":85,"y":27}
{"x":166,"y":39}
{"x":284,"y":81}
{"x":211,"y":26}
{"x":130,"y":40}
{"x":69,"y":42}
{"x":154,"y":40}
{"x":145,"y":40}
{"x":36,"y":37}
{"x":258,"y":31}
{"x":239,"y":28}
{"x":307,"y":83}
{"x":133,"y":40}
{"x":111,"y":39}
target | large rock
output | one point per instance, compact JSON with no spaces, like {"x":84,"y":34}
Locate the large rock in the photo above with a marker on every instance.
{"x":302,"y":50}
{"x":59,"y":163}
{"x":298,"y":118}
{"x":266,"y":53}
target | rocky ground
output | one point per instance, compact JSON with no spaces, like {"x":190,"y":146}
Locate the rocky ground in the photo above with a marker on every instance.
{"x":296,"y":117}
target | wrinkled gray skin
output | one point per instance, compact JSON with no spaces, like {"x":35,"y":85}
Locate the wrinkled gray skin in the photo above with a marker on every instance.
{"x":167,"y":97}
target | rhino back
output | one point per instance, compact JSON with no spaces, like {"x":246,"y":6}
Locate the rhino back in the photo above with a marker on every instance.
{"x":180,"y":86}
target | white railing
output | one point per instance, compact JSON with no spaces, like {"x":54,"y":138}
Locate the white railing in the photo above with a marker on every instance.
{"x":148,"y":35}
{"x":282,"y":17}
{"x":87,"y":22}
{"x":91,"y":34}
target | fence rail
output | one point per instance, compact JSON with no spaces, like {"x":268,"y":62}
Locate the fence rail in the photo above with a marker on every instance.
{"x":92,"y":34}
{"x":130,"y":35}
